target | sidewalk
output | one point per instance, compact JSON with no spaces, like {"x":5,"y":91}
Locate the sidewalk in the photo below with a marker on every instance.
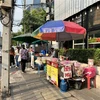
{"x":31,"y":86}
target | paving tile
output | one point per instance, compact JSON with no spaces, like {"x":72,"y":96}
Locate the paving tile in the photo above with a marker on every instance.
{"x":39,"y":96}
{"x":70,"y":98}
{"x":40,"y":99}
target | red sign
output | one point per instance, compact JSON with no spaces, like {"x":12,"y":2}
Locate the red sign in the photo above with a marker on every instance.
{"x":67,"y":68}
{"x":48,"y":62}
{"x":55,"y":64}
{"x":67,"y":71}
{"x":67,"y":75}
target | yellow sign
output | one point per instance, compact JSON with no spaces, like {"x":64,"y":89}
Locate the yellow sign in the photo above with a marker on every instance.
{"x":54,"y":75}
{"x":49,"y":70}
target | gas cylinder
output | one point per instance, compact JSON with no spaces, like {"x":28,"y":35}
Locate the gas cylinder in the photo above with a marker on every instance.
{"x":63,"y":86}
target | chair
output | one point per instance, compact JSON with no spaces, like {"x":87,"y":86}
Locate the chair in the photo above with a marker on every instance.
{"x":91,"y":76}
{"x":89,"y":79}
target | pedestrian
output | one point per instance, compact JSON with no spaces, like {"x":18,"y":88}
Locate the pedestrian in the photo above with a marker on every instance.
{"x":12,"y":54}
{"x":24,"y":58}
{"x":17,"y":56}
{"x":30,"y":51}
{"x":31,"y":56}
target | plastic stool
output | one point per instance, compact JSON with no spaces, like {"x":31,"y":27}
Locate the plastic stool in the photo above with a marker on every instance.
{"x":89,"y":81}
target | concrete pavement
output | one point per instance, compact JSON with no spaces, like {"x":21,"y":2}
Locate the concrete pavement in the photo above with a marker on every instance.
{"x":31,"y":86}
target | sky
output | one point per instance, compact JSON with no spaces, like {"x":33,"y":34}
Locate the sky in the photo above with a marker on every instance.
{"x":18,"y":14}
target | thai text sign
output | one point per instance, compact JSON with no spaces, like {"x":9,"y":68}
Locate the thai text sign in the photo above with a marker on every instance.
{"x":48,"y":71}
{"x":54,"y":75}
{"x":67,"y":72}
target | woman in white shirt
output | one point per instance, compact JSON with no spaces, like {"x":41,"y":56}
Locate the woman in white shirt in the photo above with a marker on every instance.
{"x":17,"y":56}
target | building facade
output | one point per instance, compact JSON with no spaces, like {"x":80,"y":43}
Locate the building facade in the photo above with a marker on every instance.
{"x":33,"y":4}
{"x":84,"y":12}
{"x":66,"y":8}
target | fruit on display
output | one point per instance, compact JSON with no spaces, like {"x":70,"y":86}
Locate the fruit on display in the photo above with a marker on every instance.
{"x":93,"y":40}
{"x":97,"y":39}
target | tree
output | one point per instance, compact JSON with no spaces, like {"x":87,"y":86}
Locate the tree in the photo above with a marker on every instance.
{"x":33,"y":19}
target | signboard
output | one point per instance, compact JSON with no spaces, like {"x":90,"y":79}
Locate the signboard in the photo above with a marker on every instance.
{"x":54,"y":75}
{"x":52,"y":72}
{"x":48,"y":70}
{"x":67,"y":71}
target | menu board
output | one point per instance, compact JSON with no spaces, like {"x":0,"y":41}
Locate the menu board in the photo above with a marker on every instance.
{"x":52,"y":73}
{"x":48,"y":70}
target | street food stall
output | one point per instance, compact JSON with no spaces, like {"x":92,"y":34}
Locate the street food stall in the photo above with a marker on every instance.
{"x":57,"y":70}
{"x":72,"y":71}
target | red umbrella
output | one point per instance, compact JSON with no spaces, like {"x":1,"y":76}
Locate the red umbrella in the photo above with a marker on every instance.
{"x":62,"y":31}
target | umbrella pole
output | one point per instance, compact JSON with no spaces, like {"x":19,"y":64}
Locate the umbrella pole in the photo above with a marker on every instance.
{"x":73,"y":44}
{"x":83,"y":43}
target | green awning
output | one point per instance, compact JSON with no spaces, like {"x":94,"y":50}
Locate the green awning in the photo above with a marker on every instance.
{"x":40,"y":42}
{"x":25,"y":38}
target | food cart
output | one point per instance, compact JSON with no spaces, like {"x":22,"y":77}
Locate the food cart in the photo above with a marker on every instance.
{"x":65,"y":70}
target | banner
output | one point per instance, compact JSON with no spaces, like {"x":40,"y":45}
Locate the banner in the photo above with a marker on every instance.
{"x":52,"y":72}
{"x":54,"y":75}
{"x":49,"y":70}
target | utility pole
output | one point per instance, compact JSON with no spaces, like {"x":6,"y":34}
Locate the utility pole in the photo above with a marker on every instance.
{"x":24,"y":4}
{"x":50,"y":12}
{"x":5,"y":74}
{"x":49,"y":9}
{"x":23,"y":14}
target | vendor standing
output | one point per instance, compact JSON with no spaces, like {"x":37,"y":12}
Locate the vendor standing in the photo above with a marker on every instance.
{"x":52,"y":52}
{"x":66,"y":53}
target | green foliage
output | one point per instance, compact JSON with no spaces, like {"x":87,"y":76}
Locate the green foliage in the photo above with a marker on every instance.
{"x":97,"y":57}
{"x":61,"y":51}
{"x":80,"y":55}
{"x":33,"y":19}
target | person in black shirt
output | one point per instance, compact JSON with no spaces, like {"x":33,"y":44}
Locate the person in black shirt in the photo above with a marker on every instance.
{"x":66,"y":53}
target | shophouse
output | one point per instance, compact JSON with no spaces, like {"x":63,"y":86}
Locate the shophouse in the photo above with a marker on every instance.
{"x":84,"y":12}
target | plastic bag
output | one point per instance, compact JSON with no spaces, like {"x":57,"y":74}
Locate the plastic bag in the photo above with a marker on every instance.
{"x":19,"y":58}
